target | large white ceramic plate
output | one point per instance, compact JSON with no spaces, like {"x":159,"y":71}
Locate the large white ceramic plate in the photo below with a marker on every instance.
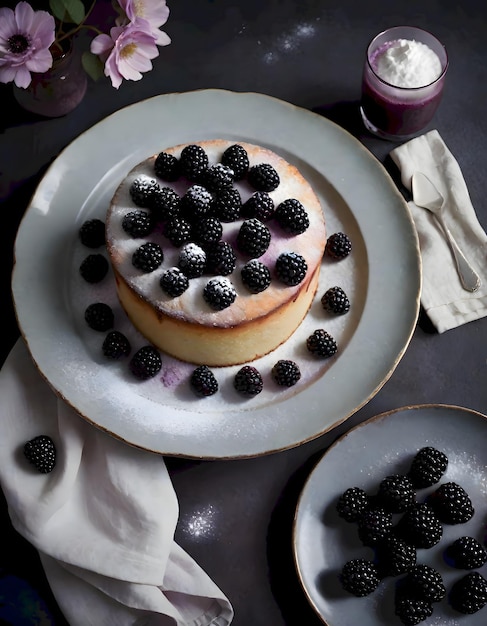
{"x":385,"y":445}
{"x":382,"y":277}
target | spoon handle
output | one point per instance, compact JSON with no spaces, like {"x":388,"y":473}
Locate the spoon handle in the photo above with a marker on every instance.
{"x":469,"y":278}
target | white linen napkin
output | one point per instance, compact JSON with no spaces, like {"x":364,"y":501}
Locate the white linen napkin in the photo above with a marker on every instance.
{"x":103,"y":520}
{"x":444,"y":300}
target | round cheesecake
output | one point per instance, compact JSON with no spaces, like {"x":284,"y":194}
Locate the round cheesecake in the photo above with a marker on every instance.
{"x":246,"y":323}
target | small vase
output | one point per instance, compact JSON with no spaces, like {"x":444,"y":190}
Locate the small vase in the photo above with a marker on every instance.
{"x":57,"y":91}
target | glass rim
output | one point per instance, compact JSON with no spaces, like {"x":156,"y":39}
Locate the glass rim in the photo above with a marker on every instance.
{"x":417,"y":28}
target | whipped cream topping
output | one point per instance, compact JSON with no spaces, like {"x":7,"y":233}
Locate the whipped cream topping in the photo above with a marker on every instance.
{"x":407,"y":63}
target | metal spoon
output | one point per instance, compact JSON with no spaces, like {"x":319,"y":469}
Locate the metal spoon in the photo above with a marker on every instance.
{"x":427,"y":196}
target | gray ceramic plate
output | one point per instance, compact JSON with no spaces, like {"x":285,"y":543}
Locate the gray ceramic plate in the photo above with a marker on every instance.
{"x":382,"y":277}
{"x":381,"y":446}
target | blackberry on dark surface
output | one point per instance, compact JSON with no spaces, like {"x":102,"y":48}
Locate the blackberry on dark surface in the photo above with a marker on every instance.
{"x":178,"y":231}
{"x":193,"y":162}
{"x":116,"y":345}
{"x":143,"y":191}
{"x":207,"y":230}
{"x":227,"y":205}
{"x":451,"y":503}
{"x":167,"y":203}
{"x":248,"y":381}
{"x":352,"y":503}
{"x":396,"y":493}
{"x":41,"y":453}
{"x":424,"y":583}
{"x":292,"y":217}
{"x":92,"y":233}
{"x":321,"y":343}
{"x":394,"y":556}
{"x":174,"y":282}
{"x":259,"y":205}
{"x":219,"y":293}
{"x":335,"y":301}
{"x":145,"y":363}
{"x":148,"y":257}
{"x":138,"y":223}
{"x":196,"y":202}
{"x":412,"y":611}
{"x":220,"y":258}
{"x":236,"y":157}
{"x":469,"y":594}
{"x":291,"y":268}
{"x":203,"y":381}
{"x":94,"y":268}
{"x":192,"y":260}
{"x":466,"y":553}
{"x":286,"y":373}
{"x":255,"y":276}
{"x":253,"y":238}
{"x":167,"y":167}
{"x":218,"y":177}
{"x":263,"y":177}
{"x":99,"y":316}
{"x":427,"y":467}
{"x":420,"y":527}
{"x":359,"y":577}
{"x":374,"y":525}
{"x":338,"y":246}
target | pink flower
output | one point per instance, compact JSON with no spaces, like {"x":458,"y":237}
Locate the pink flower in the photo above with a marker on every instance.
{"x":25,"y":38}
{"x":156,"y":12}
{"x":127,"y":52}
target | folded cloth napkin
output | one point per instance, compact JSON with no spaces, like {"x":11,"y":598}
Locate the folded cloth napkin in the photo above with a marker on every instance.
{"x":444,"y":300}
{"x":103,"y":520}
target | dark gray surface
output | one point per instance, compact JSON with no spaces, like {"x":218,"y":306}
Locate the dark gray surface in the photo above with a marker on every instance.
{"x":309,"y":53}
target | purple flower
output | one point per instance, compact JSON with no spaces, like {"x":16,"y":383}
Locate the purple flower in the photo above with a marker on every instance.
{"x":155,"y":12}
{"x":127,"y":52}
{"x":25,"y":38}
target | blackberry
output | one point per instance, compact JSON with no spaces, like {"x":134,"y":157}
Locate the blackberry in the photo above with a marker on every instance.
{"x":174,"y":282}
{"x":92,"y":233}
{"x":192,"y":260}
{"x":138,"y":223}
{"x":396,"y":493}
{"x":420,"y":527}
{"x":94,"y":268}
{"x":255,"y":276}
{"x":335,"y":300}
{"x":427,"y":467}
{"x":253,"y":238}
{"x":116,"y":345}
{"x":218,"y":177}
{"x":143,"y":191}
{"x":292,"y":216}
{"x":196,"y":202}
{"x":148,"y":257}
{"x":394,"y":556}
{"x":321,"y":343}
{"x":466,"y":553}
{"x":145,"y":363}
{"x":41,"y":453}
{"x":207,"y":230}
{"x":178,"y":231}
{"x":193,"y":162}
{"x":374,"y":525}
{"x":203,"y":381}
{"x":352,"y":503}
{"x":227,"y":205}
{"x":263,"y":177}
{"x":291,"y":268}
{"x":259,"y":205}
{"x":221,"y":259}
{"x":286,"y":373}
{"x":469,"y":594}
{"x":167,"y":203}
{"x":359,"y":577}
{"x":99,"y":316}
{"x":412,"y":611}
{"x":219,"y":293}
{"x":237,"y":159}
{"x":451,"y":504}
{"x":338,"y":246}
{"x":248,"y":381}
{"x":167,"y":167}
{"x":424,"y":583}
